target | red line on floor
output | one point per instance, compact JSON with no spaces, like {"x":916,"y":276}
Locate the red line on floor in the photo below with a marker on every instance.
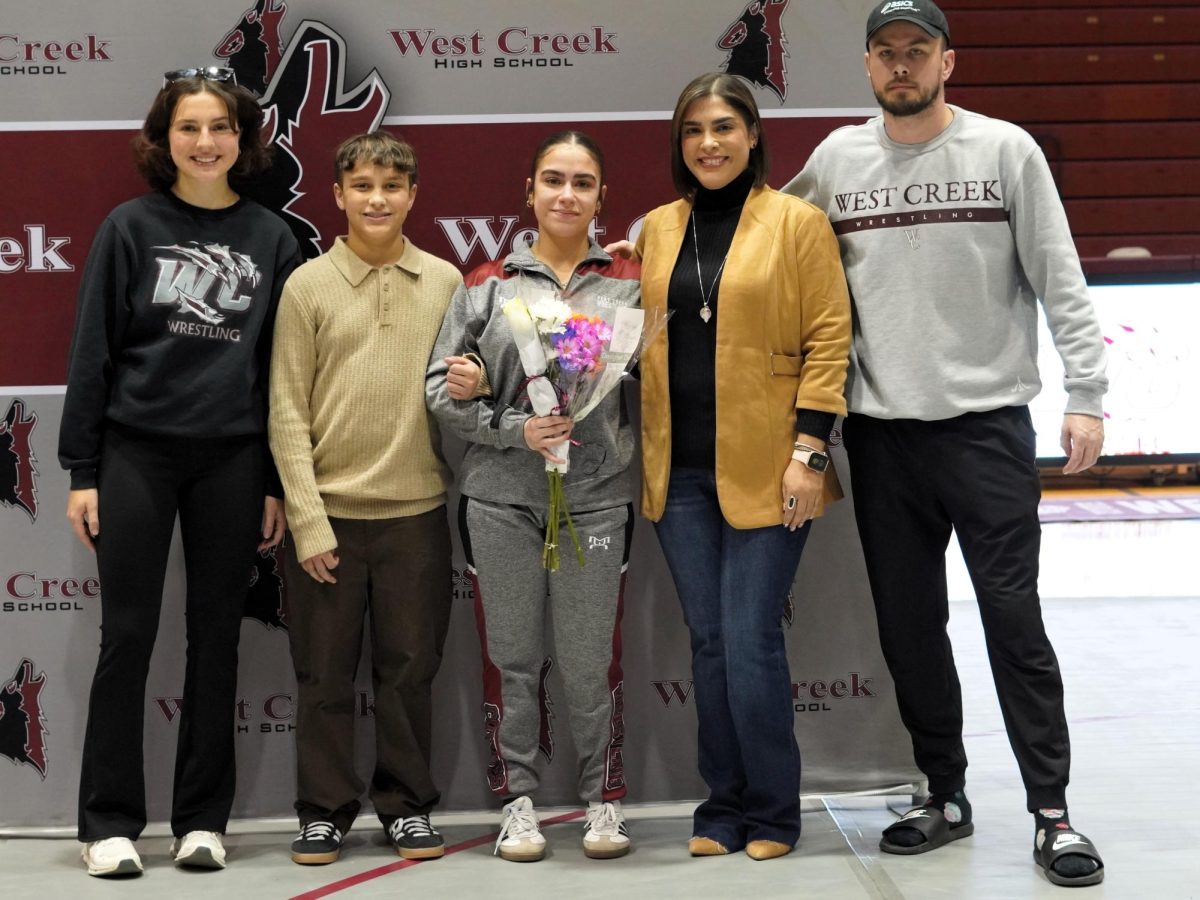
{"x":371,"y":874}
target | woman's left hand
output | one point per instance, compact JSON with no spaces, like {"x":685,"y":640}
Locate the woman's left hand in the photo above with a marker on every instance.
{"x":274,"y":523}
{"x":801,"y":493}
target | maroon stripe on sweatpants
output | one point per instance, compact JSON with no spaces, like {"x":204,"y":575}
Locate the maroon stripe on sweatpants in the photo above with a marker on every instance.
{"x":493,"y":701}
{"x":614,"y":762}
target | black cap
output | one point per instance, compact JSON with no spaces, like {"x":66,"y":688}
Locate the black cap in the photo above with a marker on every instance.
{"x":920,"y":12}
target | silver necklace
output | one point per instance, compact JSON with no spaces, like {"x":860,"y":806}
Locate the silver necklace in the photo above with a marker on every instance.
{"x":705,"y":296}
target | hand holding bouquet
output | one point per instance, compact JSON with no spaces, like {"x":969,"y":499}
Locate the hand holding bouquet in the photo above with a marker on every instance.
{"x":574,"y":352}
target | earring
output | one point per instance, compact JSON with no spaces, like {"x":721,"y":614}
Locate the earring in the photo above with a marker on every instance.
{"x":529,"y":202}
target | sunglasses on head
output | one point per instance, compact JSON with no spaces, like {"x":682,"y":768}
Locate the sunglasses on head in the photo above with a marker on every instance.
{"x":208,"y":73}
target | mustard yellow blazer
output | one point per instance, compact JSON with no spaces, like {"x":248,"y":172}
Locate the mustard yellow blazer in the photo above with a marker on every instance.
{"x":783,"y":338}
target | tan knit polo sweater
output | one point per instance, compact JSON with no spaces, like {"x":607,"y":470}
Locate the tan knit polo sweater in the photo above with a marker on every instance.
{"x":348,"y":426}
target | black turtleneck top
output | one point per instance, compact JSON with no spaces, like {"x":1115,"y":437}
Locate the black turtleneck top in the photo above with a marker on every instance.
{"x":692,"y":342}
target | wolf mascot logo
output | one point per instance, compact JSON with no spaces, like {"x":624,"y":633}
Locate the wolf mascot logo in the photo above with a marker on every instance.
{"x":18,"y":465}
{"x":22,"y":726}
{"x":308,"y":110}
{"x":757,"y":46}
{"x":253,"y":47}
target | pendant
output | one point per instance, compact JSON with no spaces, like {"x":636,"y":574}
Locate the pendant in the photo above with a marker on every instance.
{"x":705,"y":313}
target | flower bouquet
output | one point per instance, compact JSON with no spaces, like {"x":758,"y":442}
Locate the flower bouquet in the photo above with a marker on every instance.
{"x":574,"y":352}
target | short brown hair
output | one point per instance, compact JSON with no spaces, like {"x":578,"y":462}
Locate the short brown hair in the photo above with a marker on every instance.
{"x":379,"y":149}
{"x":733,"y":91}
{"x":152,"y":148}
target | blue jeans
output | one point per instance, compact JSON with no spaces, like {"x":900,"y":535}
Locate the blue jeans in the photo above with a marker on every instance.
{"x":733,"y":586}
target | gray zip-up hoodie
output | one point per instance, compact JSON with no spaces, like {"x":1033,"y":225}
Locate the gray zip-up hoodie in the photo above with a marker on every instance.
{"x":498,"y":465}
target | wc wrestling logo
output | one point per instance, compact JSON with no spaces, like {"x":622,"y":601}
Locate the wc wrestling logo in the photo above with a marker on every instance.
{"x":204,"y":281}
{"x":18,"y":465}
{"x":758,"y":47}
{"x":22,"y":725}
{"x":307,"y":109}
{"x":264,"y":600}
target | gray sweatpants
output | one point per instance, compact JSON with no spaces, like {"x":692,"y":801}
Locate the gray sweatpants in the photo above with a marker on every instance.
{"x":503,"y":546}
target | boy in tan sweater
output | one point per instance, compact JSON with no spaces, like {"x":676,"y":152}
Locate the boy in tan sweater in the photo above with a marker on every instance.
{"x":365,"y":487}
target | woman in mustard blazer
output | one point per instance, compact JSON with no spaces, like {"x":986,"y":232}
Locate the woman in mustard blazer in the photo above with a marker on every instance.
{"x":738,"y":401}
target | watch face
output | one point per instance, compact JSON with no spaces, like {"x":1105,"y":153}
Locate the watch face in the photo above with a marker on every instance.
{"x":818,"y":462}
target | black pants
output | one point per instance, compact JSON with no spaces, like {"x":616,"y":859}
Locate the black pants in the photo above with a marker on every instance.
{"x":913,"y":483}
{"x":215,"y":486}
{"x":396,"y":574}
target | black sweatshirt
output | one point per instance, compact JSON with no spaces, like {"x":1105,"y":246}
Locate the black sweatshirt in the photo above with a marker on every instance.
{"x":173,"y":328}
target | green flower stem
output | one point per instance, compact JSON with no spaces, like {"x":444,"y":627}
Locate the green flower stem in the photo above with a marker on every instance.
{"x":558,"y":510}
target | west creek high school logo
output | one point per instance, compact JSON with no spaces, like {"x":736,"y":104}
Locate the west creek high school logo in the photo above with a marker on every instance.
{"x":308,"y":110}
{"x":22,"y":725}
{"x":18,"y":465}
{"x":758,"y":47}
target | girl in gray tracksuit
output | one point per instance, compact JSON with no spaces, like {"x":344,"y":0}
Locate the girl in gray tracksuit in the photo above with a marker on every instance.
{"x":502,"y":513}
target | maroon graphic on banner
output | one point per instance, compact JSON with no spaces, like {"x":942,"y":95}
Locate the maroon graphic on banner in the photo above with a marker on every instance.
{"x":20,"y":55}
{"x":808,"y":696}
{"x":674,"y":690}
{"x":758,"y":47}
{"x":253,"y":47}
{"x":308,"y":111}
{"x":22,"y":725}
{"x":18,"y":465}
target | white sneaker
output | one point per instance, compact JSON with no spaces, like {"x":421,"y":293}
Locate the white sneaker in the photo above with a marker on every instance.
{"x":199,"y":849}
{"x":112,"y":856}
{"x":604,"y":834}
{"x":520,"y":838}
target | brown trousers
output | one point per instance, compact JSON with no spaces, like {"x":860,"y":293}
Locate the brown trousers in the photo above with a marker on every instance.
{"x":395,"y":575}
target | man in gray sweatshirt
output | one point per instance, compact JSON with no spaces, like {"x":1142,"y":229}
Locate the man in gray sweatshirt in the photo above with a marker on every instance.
{"x":951,"y":231}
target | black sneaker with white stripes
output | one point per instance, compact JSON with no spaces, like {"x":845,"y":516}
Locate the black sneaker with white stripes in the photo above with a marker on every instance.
{"x":414,"y":838}
{"x":317,"y":844}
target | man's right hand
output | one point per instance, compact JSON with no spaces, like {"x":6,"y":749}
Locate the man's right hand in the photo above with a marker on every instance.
{"x":321,"y":566}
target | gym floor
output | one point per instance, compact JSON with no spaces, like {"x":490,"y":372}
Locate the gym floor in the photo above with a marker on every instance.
{"x":1122,"y":605}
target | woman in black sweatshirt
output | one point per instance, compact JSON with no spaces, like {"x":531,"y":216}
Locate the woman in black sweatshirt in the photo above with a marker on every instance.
{"x":165,"y":416}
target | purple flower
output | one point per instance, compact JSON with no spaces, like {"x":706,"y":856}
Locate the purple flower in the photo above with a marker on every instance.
{"x":581,"y":343}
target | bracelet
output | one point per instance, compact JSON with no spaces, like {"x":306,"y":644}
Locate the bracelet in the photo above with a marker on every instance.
{"x":799,"y":446}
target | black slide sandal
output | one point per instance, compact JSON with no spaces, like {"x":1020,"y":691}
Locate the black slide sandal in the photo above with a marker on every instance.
{"x":932,"y":825}
{"x":1067,"y":842}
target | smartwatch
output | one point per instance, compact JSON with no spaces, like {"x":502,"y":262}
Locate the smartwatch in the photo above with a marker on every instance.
{"x":811,"y":457}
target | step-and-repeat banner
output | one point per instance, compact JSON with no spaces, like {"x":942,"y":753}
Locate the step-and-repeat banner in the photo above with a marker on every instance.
{"x":474,"y":87}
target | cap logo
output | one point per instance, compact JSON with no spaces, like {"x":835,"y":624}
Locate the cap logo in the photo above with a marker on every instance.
{"x":895,"y":5}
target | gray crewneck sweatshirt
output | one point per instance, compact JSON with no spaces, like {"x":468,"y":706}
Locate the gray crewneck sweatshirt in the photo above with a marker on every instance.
{"x":948,"y":245}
